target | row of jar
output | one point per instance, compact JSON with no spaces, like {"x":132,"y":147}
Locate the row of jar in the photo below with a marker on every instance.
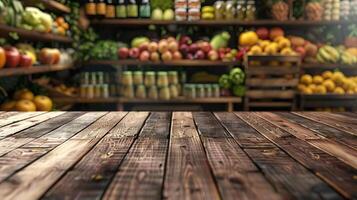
{"x":95,"y":91}
{"x":193,"y":91}
{"x":94,"y":78}
{"x":150,"y":78}
{"x":151,"y":92}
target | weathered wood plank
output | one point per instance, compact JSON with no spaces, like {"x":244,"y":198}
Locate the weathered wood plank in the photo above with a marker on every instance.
{"x":236,"y":175}
{"x":141,"y":174}
{"x":19,"y":126}
{"x":336,"y":173}
{"x":11,"y":117}
{"x":343,"y":123}
{"x":21,"y":157}
{"x":188,"y":174}
{"x":10,"y":143}
{"x":326,"y":131}
{"x":92,"y":175}
{"x":289,"y":177}
{"x":39,"y":176}
{"x":287,"y":122}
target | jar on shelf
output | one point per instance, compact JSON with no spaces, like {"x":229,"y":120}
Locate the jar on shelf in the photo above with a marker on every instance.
{"x":150,"y":79}
{"x":219,"y":9}
{"x":140,"y":92}
{"x":127,"y":78}
{"x":173,"y":77}
{"x":105,"y":90}
{"x":250,"y":11}
{"x":230,"y":10}
{"x":138,"y":78}
{"x":90,"y":8}
{"x":83,"y":91}
{"x":208,"y":90}
{"x":164,"y":93}
{"x":200,"y":91}
{"x":194,"y":14}
{"x":241,"y":8}
{"x":93,"y":78}
{"x":162,"y":79}
{"x":215,"y":91}
{"x":100,"y":78}
{"x":120,"y":9}
{"x":128,"y":91}
{"x":174,"y":92}
{"x":97,"y":91}
{"x":181,"y":14}
{"x":152,"y":93}
{"x":194,"y":4}
{"x":90,"y":91}
{"x":190,"y":91}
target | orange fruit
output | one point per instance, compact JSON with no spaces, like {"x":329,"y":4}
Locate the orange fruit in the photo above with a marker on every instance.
{"x":65,"y":26}
{"x":25,"y":106}
{"x":61,"y":30}
{"x":8,"y":106}
{"x":60,"y":21}
{"x":43,"y":103}
{"x":23,"y":94}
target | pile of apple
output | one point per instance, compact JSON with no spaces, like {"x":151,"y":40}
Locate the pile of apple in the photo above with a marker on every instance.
{"x":165,"y":49}
{"x":12,"y":57}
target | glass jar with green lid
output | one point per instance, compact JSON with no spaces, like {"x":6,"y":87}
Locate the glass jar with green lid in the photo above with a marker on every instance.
{"x":140,"y":92}
{"x":128,"y":91}
{"x":162,"y":79}
{"x":164,"y":93}
{"x":208,"y":90}
{"x":127,"y":78}
{"x":152,"y":93}
{"x":150,"y":79}
{"x":215,"y":90}
{"x":200,"y":91}
{"x":173,"y":77}
{"x":190,"y":91}
{"x":138,"y":78}
{"x":174,"y":91}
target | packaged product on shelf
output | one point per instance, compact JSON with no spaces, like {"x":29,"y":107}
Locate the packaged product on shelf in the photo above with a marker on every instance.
{"x":174,"y":91}
{"x":190,"y":91}
{"x":138,"y":78}
{"x":132,"y":9}
{"x":220,"y":8}
{"x":164,"y":93}
{"x":89,"y":91}
{"x":241,"y":8}
{"x":194,"y":4}
{"x":100,"y":78}
{"x":140,"y":92}
{"x":152,"y":93}
{"x":345,"y":9}
{"x":127,"y":78}
{"x":110,"y":9}
{"x":181,"y":4}
{"x":250,"y":13}
{"x":208,"y":90}
{"x":105,"y":91}
{"x":97,"y":91}
{"x":93,"y":79}
{"x":181,"y":14}
{"x":230,"y":10}
{"x":200,"y":91}
{"x":173,"y":77}
{"x":215,"y":91}
{"x":101,"y":8}
{"x":145,"y":9}
{"x":90,"y":8}
{"x":194,"y":14}
{"x":150,"y":79}
{"x":162,"y":79}
{"x":120,"y":9}
{"x":128,"y":91}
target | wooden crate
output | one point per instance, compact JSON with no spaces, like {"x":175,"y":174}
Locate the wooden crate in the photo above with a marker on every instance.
{"x":315,"y":101}
{"x":271,"y":86}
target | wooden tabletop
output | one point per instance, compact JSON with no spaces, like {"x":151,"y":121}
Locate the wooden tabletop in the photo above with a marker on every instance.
{"x":180,"y":155}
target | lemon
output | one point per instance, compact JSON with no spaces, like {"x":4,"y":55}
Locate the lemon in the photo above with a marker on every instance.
{"x":317,"y":79}
{"x":320,"y":89}
{"x":338,"y":78}
{"x":307,"y":90}
{"x":327,"y":74}
{"x":329,"y":85}
{"x":306,"y":79}
{"x":339,"y":90}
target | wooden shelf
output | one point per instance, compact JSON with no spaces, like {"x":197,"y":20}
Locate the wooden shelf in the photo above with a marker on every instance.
{"x":33,"y":70}
{"x":147,"y":101}
{"x":328,"y":100}
{"x":328,"y":66}
{"x":145,"y":22}
{"x":178,"y":63}
{"x":51,"y":5}
{"x":32,"y":35}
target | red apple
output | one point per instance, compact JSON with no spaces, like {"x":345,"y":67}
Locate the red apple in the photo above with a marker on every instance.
{"x":155,"y":57}
{"x":166,"y":56}
{"x":228,"y":50}
{"x":240,"y":54}
{"x":263,"y":33}
{"x":190,"y":56}
{"x":123,"y":53}
{"x":301,"y":51}
{"x":176,"y":55}
{"x":222,"y":50}
{"x":185,"y":40}
{"x":193,"y":48}
{"x":153,"y":47}
{"x":49,"y":56}
{"x":12,"y":57}
{"x":205,"y":47}
{"x":173,"y":46}
{"x":134,"y":52}
{"x":25,"y":61}
{"x":144,"y":56}
{"x":163,"y":46}
{"x":200,"y":55}
{"x":144,"y":46}
{"x":213,"y":55}
{"x":184,"y":49}
{"x":221,"y":55}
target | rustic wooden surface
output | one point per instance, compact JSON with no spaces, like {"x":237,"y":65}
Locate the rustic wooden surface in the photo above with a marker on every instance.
{"x":180,"y":155}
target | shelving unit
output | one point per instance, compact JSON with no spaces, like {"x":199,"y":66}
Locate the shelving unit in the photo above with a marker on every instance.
{"x":50,"y":5}
{"x":34,"y":70}
{"x":32,"y":35}
{"x":328,"y":100}
{"x":182,"y":63}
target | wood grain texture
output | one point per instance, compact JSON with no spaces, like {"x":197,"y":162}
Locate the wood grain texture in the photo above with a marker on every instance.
{"x":329,"y":168}
{"x":290,"y":178}
{"x":188,"y":174}
{"x":11,"y":117}
{"x":91,"y":176}
{"x":34,"y":182}
{"x":21,"y":138}
{"x":141,"y":174}
{"x":24,"y":124}
{"x":236,"y":175}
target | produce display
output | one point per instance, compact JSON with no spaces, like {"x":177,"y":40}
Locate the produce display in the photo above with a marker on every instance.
{"x":328,"y":83}
{"x":233,"y":83}
{"x":25,"y":101}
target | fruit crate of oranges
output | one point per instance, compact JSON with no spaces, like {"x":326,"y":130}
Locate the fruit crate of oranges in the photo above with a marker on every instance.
{"x":329,"y":89}
{"x":271,"y":81}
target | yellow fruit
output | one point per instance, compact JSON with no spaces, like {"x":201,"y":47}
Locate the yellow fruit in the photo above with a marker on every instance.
{"x":8,"y":106}
{"x":284,"y":43}
{"x":338,"y":78}
{"x":23,"y":94}
{"x":25,"y":106}
{"x":350,"y":91}
{"x":301,"y":87}
{"x":249,"y":38}
{"x":329,"y":85}
{"x":352,"y":51}
{"x":317,"y":80}
{"x":271,"y":49}
{"x":43,"y":103}
{"x":339,"y":90}
{"x":312,"y":86}
{"x":287,"y":51}
{"x":320,"y":89}
{"x":277,"y":39}
{"x":306,"y":79}
{"x":307,"y":90}
{"x":264,"y":43}
{"x":256,"y":50}
{"x":327,"y":75}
